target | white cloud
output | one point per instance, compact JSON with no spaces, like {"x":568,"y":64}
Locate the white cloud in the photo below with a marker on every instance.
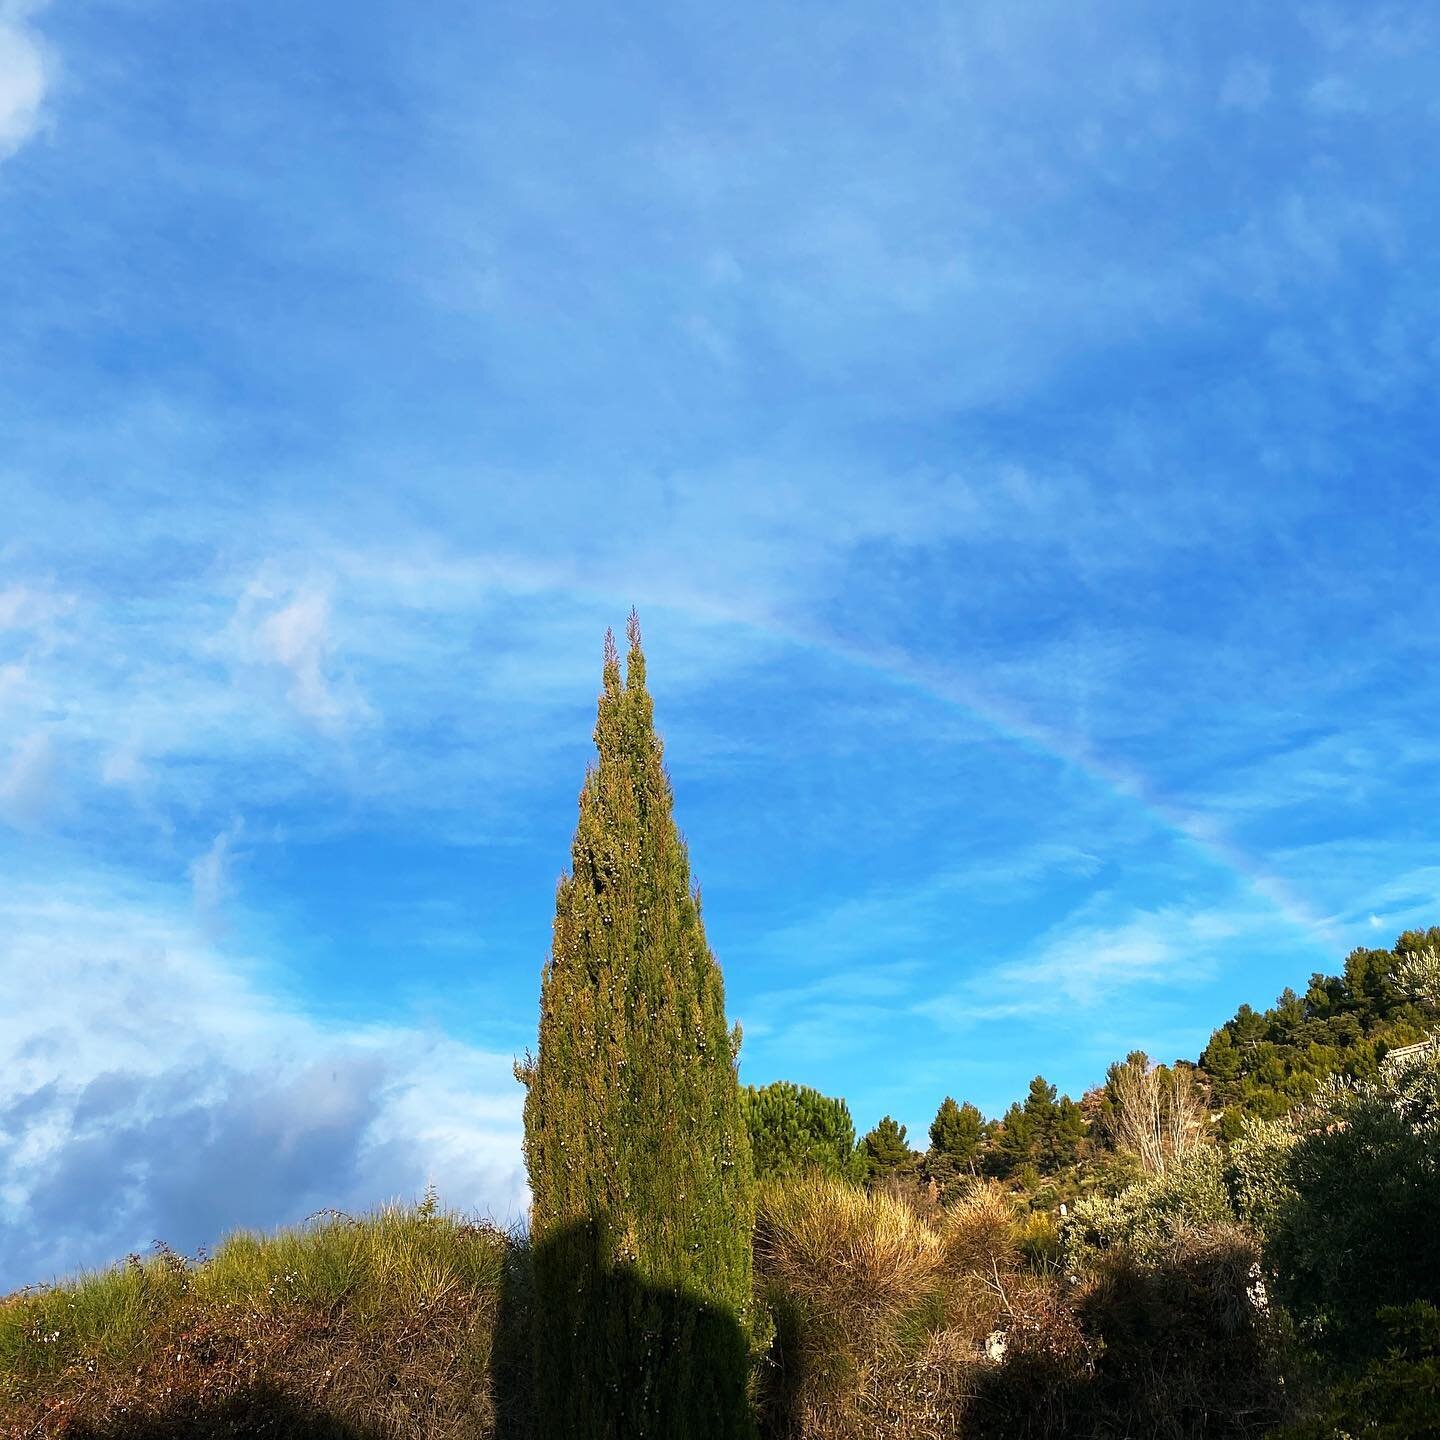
{"x":26,"y":67}
{"x":149,"y":1087}
{"x":14,"y":681}
{"x":1084,"y":962}
{"x":123,"y":766}
{"x":210,"y":878}
{"x":31,"y":607}
{"x":293,"y":631}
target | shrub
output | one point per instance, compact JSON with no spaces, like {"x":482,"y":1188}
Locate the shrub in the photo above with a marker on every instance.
{"x":1184,"y":1346}
{"x":1040,"y":1387}
{"x":1146,"y":1217}
{"x":1347,"y":1204}
{"x":844,"y":1273}
{"x":979,"y":1230}
{"x":1395,"y":1396}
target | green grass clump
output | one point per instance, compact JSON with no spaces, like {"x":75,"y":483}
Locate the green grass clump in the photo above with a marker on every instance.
{"x":102,"y":1317}
{"x":392,"y":1260}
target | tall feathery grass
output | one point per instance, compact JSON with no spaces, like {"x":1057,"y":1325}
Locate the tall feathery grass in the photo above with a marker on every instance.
{"x":882,"y":1316}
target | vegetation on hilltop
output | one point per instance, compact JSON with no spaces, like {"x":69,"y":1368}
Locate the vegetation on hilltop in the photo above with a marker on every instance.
{"x":794,"y":1129}
{"x":393,"y":1324}
{"x":1263,"y":1063}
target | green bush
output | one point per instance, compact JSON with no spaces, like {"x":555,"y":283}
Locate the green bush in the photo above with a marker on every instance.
{"x":1347,"y":1201}
{"x":1147,"y":1216}
{"x":1395,"y":1396}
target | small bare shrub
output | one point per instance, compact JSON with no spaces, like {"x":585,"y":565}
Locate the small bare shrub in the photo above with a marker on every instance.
{"x":1159,"y":1114}
{"x":1185,"y":1351}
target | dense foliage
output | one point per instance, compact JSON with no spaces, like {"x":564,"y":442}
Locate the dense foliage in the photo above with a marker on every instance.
{"x":1347,"y":1195}
{"x":886,"y":1152}
{"x":794,"y":1129}
{"x":1262,"y":1063}
{"x":635,"y":1137}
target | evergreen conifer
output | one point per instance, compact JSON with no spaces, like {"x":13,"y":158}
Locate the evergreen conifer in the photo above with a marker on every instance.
{"x":794,"y":1129}
{"x":1014,"y":1144}
{"x":956,"y":1131}
{"x":887,"y":1153}
{"x":1069,"y":1132}
{"x":635,"y":1139}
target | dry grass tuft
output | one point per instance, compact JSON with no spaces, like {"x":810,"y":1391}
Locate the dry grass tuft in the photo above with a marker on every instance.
{"x":852,"y":1256}
{"x":867,"y":1297}
{"x":979,"y":1231}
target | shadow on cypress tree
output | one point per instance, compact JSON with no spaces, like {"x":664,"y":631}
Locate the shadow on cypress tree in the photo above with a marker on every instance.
{"x":624,"y":1359}
{"x":635,"y":1137}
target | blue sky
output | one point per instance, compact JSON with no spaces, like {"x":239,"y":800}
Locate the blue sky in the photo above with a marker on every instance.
{"x":1015,"y":425}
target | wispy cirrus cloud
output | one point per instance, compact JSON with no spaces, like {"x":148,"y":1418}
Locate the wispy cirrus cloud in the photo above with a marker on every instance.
{"x":1089,"y":961}
{"x":32,"y":607}
{"x":291,"y":631}
{"x":1004,"y":422}
{"x":27,"y":781}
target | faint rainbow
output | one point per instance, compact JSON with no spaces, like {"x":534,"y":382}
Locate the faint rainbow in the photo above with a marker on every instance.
{"x":900,"y":669}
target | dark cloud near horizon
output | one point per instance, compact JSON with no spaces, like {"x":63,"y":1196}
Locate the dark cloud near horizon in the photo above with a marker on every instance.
{"x":189,"y":1154}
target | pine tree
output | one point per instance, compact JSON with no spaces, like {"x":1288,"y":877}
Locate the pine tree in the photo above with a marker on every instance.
{"x":1043,"y":1113}
{"x":1013,"y":1145}
{"x":635,"y":1139}
{"x":956,"y":1131}
{"x":794,"y":1129}
{"x":887,"y":1153}
{"x":1070,"y":1132}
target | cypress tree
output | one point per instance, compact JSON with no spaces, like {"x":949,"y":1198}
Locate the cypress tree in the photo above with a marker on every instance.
{"x":639,"y":1159}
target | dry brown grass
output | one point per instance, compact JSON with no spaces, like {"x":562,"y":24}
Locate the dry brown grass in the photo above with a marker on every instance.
{"x":881,"y":1314}
{"x":889,"y":1326}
